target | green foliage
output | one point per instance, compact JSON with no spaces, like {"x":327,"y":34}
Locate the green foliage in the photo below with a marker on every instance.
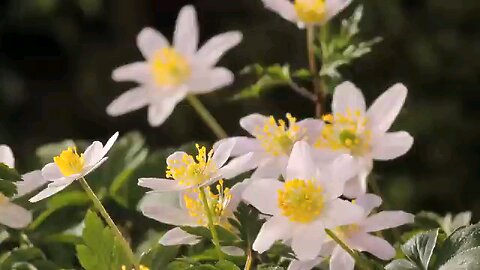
{"x":26,"y":258}
{"x":7,"y":177}
{"x":447,"y":223}
{"x":100,"y":249}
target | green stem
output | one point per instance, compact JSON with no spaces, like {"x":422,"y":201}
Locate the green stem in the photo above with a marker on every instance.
{"x":358,"y":260}
{"x":248,"y":263}
{"x":207,"y":117}
{"x":211,"y":225}
{"x":103,"y":212}
{"x":317,"y":80}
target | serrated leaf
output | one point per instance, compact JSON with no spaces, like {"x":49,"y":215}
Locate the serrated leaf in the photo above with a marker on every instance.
{"x":466,"y":260}
{"x":8,"y":188}
{"x":459,"y":241}
{"x":9,"y":174}
{"x":226,"y":265}
{"x":420,"y":248}
{"x":401,"y":264}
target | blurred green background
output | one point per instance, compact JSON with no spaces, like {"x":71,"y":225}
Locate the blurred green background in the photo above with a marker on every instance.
{"x":56,"y":57}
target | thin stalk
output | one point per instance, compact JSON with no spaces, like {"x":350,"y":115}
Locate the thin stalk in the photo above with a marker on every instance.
{"x":317,"y":81}
{"x":358,"y":260}
{"x":211,"y":225}
{"x":103,"y":212}
{"x":207,"y":117}
{"x":248,"y":263}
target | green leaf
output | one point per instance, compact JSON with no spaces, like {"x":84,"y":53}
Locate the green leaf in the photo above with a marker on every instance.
{"x":101,"y":250}
{"x":466,"y":260}
{"x":401,"y":264}
{"x":459,"y":241}
{"x":45,"y":153}
{"x":10,"y":174}
{"x":420,"y":248}
{"x":22,"y":254}
{"x":7,"y":188}
{"x":226,"y":265}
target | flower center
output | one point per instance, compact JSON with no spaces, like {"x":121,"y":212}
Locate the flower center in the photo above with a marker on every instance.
{"x":311,"y":11}
{"x":301,"y":200}
{"x":169,"y":68}
{"x":278,"y":139}
{"x":191,"y":171}
{"x":217,"y":203}
{"x":345,"y":132}
{"x":69,"y":162}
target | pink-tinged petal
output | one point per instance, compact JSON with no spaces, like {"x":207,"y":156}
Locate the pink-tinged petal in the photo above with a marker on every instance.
{"x":109,"y":144}
{"x":51,"y":172}
{"x":368,"y":202}
{"x":341,"y":260}
{"x":129,"y":101}
{"x":373,"y":245}
{"x":386,"y":220}
{"x":347,"y":97}
{"x":223,"y":152}
{"x":307,"y":241}
{"x":253,"y":122}
{"x":284,"y":8}
{"x":336,"y":6}
{"x":236,"y":191}
{"x":185,"y":38}
{"x":161,"y":109}
{"x":392,"y":145}
{"x":169,"y":215}
{"x":386,"y":107}
{"x":263,"y":195}
{"x":51,"y":189}
{"x":304,"y":265}
{"x":271,"y":167}
{"x":93,"y":153}
{"x":357,"y":185}
{"x":6,"y":156}
{"x":209,"y":81}
{"x":243,"y":145}
{"x":30,"y":182}
{"x":138,"y":72}
{"x":177,"y":236}
{"x":211,"y":52}
{"x":311,"y":129}
{"x":301,"y":164}
{"x":160,"y":185}
{"x":150,"y":41}
{"x":276,"y":228}
{"x":333,"y":177}
{"x":339,"y":212}
{"x":14,"y":216}
{"x":237,"y":166}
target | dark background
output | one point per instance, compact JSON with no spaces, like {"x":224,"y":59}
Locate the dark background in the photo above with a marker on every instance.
{"x":56,"y":57}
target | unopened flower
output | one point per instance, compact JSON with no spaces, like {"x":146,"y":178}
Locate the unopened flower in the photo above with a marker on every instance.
{"x":204,"y":169}
{"x":70,"y":166}
{"x":307,"y":12}
{"x":351,"y":129}
{"x":272,"y":143}
{"x":170,"y":72}
{"x":305,"y":204}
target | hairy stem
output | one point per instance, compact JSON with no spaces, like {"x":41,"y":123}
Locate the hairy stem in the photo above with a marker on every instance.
{"x":207,"y":117}
{"x":317,"y":80}
{"x":211,"y":225}
{"x":103,"y":212}
{"x":358,"y":260}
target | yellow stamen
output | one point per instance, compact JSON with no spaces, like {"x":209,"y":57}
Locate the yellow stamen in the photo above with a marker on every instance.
{"x":301,"y":200}
{"x":69,"y":162}
{"x":346,"y":231}
{"x":277,"y":138}
{"x":169,"y":68}
{"x":311,"y":11}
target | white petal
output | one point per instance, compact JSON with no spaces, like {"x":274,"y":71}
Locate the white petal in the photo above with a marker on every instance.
{"x":149,"y":41}
{"x":339,"y":212}
{"x":263,"y":195}
{"x":301,"y":165}
{"x":14,"y":216}
{"x":237,"y":166}
{"x":236,"y":191}
{"x":283,"y":7}
{"x":177,"y":236}
{"x":161,"y":109}
{"x":51,"y":172}
{"x":109,"y":144}
{"x":211,"y":52}
{"x":137,"y":72}
{"x":89,"y":169}
{"x":304,"y":265}
{"x":52,"y":189}
{"x":373,"y":245}
{"x":93,"y":153}
{"x":169,"y":215}
{"x":368,"y":202}
{"x":307,"y":242}
{"x":253,"y":122}
{"x":6,"y":156}
{"x":30,"y":182}
{"x":274,"y":229}
{"x":209,"y":81}
{"x":185,"y":38}
{"x":243,"y":145}
{"x":336,"y":6}
{"x":334,"y":176}
{"x":386,"y":107}
{"x":311,"y":129}
{"x":392,"y":145}
{"x":386,"y":220}
{"x":233,"y":251}
{"x":223,"y":152}
{"x":357,"y":185}
{"x":348,"y":97}
{"x":129,"y":101}
{"x":160,"y":185}
{"x":341,"y":260}
{"x":269,"y":168}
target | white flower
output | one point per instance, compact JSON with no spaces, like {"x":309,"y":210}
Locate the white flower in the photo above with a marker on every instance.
{"x":307,"y":12}
{"x":12,"y":215}
{"x":272,"y":143}
{"x":202,"y":170}
{"x":351,"y":129}
{"x":304,"y":205}
{"x":171,"y":72}
{"x":70,"y":166}
{"x":184,"y":208}
{"x":30,"y":181}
